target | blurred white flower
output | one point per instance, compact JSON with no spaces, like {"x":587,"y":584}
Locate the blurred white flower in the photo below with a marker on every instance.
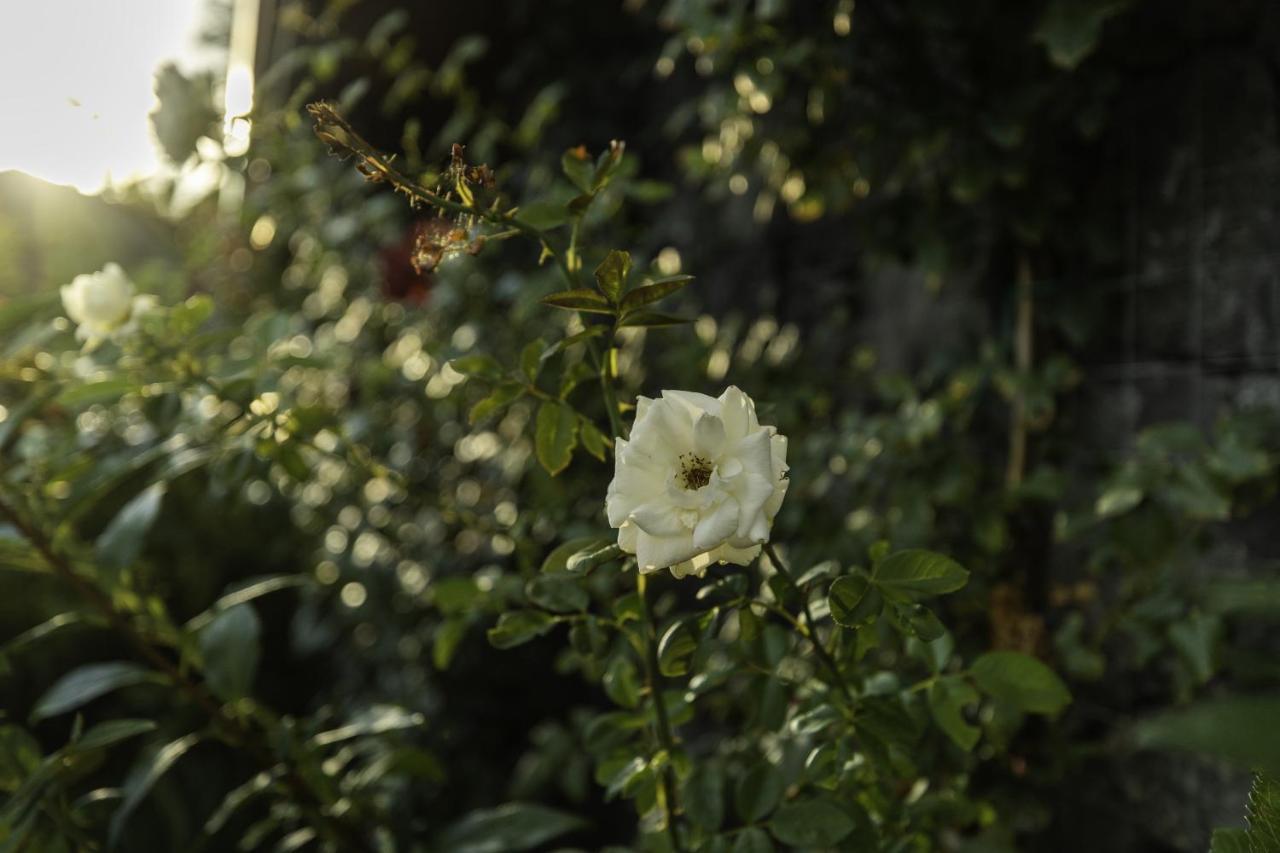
{"x":103,"y":304}
{"x":699,"y":482}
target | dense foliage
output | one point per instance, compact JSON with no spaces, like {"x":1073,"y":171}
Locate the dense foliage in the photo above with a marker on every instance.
{"x":310,"y":551}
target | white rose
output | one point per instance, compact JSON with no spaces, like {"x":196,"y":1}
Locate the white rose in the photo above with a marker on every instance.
{"x":103,"y":304}
{"x":699,"y":482}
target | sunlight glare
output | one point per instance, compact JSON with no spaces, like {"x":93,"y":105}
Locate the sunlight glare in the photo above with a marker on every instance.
{"x":76,"y":85}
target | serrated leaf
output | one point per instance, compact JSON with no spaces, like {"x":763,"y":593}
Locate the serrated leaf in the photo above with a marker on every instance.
{"x":579,"y":299}
{"x":518,"y":627}
{"x":917,"y":573}
{"x":230,"y":646}
{"x":86,"y":683}
{"x":653,"y":291}
{"x":611,"y":275}
{"x":121,"y":543}
{"x":555,"y":436}
{"x":1021,"y":681}
{"x":653,"y":320}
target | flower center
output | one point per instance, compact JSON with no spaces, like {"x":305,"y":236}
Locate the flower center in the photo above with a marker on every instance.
{"x":695,"y":471}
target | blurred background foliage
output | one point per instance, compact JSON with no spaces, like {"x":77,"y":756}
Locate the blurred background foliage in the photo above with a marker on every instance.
{"x":1004,"y":273}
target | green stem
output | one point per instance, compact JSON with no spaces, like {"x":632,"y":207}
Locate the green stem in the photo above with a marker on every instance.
{"x":607,"y":377}
{"x":663,"y":725}
{"x":808,"y":630}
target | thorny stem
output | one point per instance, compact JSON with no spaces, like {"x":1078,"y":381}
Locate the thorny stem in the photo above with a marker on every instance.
{"x":808,"y":630}
{"x":231,"y":727}
{"x":377,"y":167}
{"x":663,"y":725}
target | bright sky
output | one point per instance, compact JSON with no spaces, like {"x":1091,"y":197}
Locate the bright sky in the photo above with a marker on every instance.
{"x":76,"y":84}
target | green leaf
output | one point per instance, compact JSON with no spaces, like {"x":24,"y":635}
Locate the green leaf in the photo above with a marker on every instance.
{"x":373,"y":720}
{"x":243,"y":592}
{"x":444,"y":643}
{"x":578,"y":168}
{"x":477,"y":366}
{"x":568,"y":556}
{"x":1117,"y":500}
{"x":1240,"y":729}
{"x":758,"y":791}
{"x":853,"y":600}
{"x":1264,"y":813}
{"x":621,"y":682}
{"x":593,"y":331}
{"x":593,"y":440}
{"x":611,"y":275}
{"x":120,"y":544}
{"x":531,"y":358}
{"x":653,"y":291}
{"x":518,"y":627}
{"x":1020,"y":680}
{"x":112,"y":732}
{"x":917,"y":573}
{"x":86,"y":683}
{"x":143,"y":776}
{"x":230,"y":645}
{"x":106,"y":391}
{"x":653,"y":319}
{"x":543,"y":215}
{"x":947,"y":700}
{"x":753,"y":840}
{"x":580,"y":299}
{"x":676,"y":647}
{"x":1070,"y":29}
{"x":811,"y":823}
{"x":501,"y":397}
{"x":703,"y":796}
{"x":555,"y":436}
{"x":921,"y":622}
{"x":510,"y":827}
{"x":44,"y":629}
{"x":1230,"y":841}
{"x":560,"y":592}
{"x":19,"y":756}
{"x":1195,"y":638}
